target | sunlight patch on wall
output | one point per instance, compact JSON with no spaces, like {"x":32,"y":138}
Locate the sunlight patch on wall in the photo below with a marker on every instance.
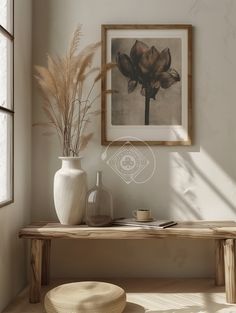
{"x":201,"y":188}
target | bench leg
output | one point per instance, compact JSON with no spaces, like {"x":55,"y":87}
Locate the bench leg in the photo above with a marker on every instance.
{"x":229,"y":258}
{"x":46,"y":262}
{"x":35,"y":270}
{"x":219,"y":263}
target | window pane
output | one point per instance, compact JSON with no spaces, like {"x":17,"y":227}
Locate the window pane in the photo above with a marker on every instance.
{"x":5,"y":72}
{"x":6,"y":18}
{"x":5,"y":157}
{"x":3,"y":13}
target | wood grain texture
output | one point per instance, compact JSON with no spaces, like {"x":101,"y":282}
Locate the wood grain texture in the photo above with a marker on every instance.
{"x":46,"y":261}
{"x":229,"y":258}
{"x":35,"y":270}
{"x":219,"y":230}
{"x":219,"y":263}
{"x":192,"y":230}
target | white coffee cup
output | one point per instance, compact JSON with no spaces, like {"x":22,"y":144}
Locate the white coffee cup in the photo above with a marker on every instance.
{"x":142,"y":214}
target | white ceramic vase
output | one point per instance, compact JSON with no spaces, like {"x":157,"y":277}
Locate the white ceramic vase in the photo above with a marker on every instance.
{"x":70,"y":188}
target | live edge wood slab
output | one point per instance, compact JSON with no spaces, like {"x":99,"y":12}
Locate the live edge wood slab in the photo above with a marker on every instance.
{"x":222,"y":232}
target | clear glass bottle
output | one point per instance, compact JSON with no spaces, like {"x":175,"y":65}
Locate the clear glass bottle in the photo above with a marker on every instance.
{"x":99,"y":205}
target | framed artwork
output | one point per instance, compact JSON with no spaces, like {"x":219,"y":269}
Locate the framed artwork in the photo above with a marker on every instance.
{"x":150,"y":98}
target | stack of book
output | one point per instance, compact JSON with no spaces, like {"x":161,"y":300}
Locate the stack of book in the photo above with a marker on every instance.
{"x":146,"y":224}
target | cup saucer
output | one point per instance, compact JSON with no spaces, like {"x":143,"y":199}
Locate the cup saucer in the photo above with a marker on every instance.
{"x":151,"y":219}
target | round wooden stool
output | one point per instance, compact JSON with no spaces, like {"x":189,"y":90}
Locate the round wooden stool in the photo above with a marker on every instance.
{"x":85,"y":297}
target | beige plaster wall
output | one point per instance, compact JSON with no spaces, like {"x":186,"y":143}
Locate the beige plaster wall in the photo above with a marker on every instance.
{"x":196,"y":182}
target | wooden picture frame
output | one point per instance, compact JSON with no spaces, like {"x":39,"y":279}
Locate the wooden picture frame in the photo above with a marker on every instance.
{"x":151,"y":98}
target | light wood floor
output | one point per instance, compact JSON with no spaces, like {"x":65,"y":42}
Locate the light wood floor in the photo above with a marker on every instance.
{"x":153,"y":296}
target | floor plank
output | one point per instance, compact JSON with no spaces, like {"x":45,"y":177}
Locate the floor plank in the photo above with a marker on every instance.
{"x":151,"y":295}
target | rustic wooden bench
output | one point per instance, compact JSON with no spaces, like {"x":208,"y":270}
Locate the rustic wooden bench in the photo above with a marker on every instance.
{"x":222,"y":232}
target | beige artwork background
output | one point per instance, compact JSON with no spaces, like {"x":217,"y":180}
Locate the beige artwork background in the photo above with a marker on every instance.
{"x":129,"y":109}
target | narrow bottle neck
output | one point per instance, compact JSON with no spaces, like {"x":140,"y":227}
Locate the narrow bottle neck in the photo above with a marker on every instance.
{"x":99,"y":178}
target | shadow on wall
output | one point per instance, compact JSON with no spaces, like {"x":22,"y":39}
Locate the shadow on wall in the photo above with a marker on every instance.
{"x":185,"y":163}
{"x":183,"y":203}
{"x":43,"y":145}
{"x":183,"y":191}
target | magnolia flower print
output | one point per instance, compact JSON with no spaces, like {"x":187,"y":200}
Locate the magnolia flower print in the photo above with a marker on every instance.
{"x":148,"y":67}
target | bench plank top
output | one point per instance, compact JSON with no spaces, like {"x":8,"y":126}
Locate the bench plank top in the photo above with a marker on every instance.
{"x":191,"y":229}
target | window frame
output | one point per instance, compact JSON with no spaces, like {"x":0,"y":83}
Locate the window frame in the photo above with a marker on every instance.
{"x":10,"y":36}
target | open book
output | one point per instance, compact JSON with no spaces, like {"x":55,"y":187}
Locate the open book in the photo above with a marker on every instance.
{"x":149,"y":224}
